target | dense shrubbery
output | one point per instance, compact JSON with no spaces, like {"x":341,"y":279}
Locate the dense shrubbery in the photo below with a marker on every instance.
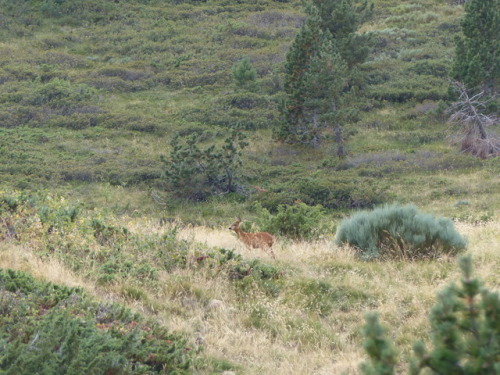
{"x":48,"y":329}
{"x":465,"y":334}
{"x":245,"y":110}
{"x":400,"y":232}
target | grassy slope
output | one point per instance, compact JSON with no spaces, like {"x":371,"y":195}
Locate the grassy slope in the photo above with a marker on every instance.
{"x":160,"y":69}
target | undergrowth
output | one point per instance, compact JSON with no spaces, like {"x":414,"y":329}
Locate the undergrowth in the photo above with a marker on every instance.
{"x":50,"y":329}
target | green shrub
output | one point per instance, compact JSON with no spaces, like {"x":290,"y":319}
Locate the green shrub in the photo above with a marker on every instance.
{"x":253,"y":273}
{"x":245,"y":75}
{"x":298,"y":221}
{"x":400,"y":232}
{"x":465,"y":334}
{"x":247,"y":110}
{"x":347,"y":194}
{"x":194,"y":173}
{"x":49,"y":329}
{"x":60,"y":94}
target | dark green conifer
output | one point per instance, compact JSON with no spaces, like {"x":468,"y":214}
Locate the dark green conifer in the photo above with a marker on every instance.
{"x":379,"y":348}
{"x":477,"y":59}
{"x":342,"y":18}
{"x":298,"y":60}
{"x":318,"y":70}
{"x":244,"y":74}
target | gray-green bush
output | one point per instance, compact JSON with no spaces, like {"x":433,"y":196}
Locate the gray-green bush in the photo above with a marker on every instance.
{"x":400,"y":232}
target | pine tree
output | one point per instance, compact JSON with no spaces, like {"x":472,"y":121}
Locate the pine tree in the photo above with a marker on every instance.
{"x":466,"y":330}
{"x":298,"y":59}
{"x":318,"y":71}
{"x":477,"y":59}
{"x":342,"y":19}
{"x":195,"y":173}
{"x":379,"y":348}
{"x":244,"y":74}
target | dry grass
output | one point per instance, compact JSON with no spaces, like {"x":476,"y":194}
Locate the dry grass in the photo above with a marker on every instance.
{"x":287,"y":337}
{"x":402,"y":292}
{"x":22,"y":258}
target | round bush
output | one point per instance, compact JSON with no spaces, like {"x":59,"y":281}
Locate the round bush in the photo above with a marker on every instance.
{"x":400,"y":232}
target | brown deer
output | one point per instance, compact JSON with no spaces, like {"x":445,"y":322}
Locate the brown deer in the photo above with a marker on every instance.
{"x":260,"y":190}
{"x":262,"y":240}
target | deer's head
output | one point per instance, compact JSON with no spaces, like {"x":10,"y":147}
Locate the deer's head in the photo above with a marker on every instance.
{"x":236,"y":225}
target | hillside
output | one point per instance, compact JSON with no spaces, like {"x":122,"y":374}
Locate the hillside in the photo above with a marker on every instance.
{"x":90,"y":103}
{"x":92,"y":94}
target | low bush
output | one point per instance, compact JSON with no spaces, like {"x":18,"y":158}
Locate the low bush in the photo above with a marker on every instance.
{"x":400,"y":232}
{"x":465,"y":334}
{"x":247,"y":110}
{"x":298,"y":221}
{"x":196,"y":173}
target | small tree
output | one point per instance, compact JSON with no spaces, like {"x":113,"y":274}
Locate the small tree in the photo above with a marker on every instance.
{"x":319,"y":66}
{"x":244,"y":74}
{"x":196,"y":173}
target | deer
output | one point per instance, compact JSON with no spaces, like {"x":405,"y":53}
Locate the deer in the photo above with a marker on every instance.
{"x":262,"y":240}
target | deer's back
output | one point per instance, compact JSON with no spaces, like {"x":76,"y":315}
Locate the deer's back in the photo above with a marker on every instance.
{"x":258,"y":240}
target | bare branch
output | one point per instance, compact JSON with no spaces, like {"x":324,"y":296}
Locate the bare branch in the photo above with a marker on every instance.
{"x":467,"y":114}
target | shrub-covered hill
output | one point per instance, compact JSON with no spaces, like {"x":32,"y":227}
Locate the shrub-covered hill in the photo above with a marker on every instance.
{"x":92,"y":92}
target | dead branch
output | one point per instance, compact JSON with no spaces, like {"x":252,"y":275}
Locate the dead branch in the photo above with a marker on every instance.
{"x":468,"y":114}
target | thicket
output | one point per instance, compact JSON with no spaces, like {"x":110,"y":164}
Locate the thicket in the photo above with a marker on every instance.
{"x":465,"y":334}
{"x":49,"y":329}
{"x":400,"y":232}
{"x":333,"y":193}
